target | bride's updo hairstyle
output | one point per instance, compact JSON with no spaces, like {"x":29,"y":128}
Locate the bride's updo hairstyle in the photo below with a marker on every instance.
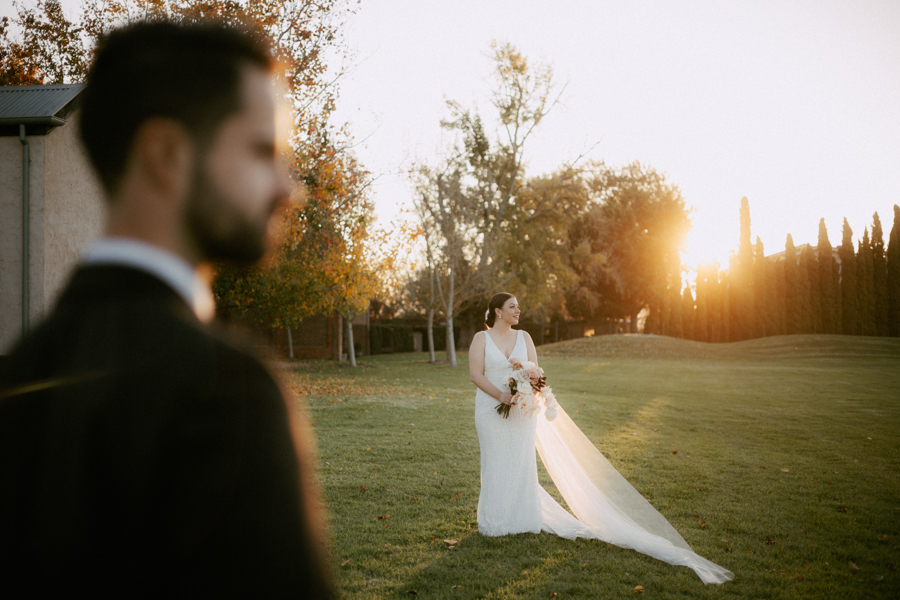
{"x":496,"y":302}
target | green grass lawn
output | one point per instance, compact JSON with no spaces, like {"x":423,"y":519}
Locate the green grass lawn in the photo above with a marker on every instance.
{"x":778,"y":459}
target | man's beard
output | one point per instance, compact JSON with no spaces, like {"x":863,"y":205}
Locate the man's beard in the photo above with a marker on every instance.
{"x":220,"y":230}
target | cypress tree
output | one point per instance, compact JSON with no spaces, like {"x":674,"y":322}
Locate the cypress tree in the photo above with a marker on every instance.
{"x":744,"y":313}
{"x":717,"y":304}
{"x":793,"y":319}
{"x":826,"y":282}
{"x":849,"y":285}
{"x":866,"y":290}
{"x":763,"y":292}
{"x":803,"y":291}
{"x":815,"y":289}
{"x":879,"y":278}
{"x":776,"y":270}
{"x":725,"y":303}
{"x":893,"y":275}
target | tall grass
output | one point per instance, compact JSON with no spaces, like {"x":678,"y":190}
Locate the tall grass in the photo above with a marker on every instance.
{"x":778,"y":459}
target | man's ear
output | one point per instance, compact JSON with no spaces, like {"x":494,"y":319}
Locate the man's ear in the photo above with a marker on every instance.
{"x":163,"y":153}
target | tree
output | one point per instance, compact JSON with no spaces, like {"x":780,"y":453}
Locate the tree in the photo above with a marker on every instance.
{"x":51,"y":48}
{"x":794,"y":302}
{"x":642,"y":220}
{"x":763,"y":292}
{"x":827,"y":292}
{"x":470,"y":198}
{"x":687,"y":313}
{"x":865,"y":286}
{"x":305,"y":37}
{"x":849,"y":285}
{"x":893,"y":275}
{"x":879,"y":279}
{"x":743,"y":317}
{"x":534,"y":258}
{"x":808,"y":260}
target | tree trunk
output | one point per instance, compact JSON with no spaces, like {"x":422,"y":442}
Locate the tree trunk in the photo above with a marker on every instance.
{"x":340,"y":338}
{"x":351,"y":350}
{"x":451,"y":343}
{"x":290,"y":342}
{"x":430,"y":330}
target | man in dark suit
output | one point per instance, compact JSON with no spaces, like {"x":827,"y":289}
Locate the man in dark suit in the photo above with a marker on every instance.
{"x":141,"y":454}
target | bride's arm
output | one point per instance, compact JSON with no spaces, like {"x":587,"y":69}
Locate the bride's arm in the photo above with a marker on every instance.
{"x":532,"y":353}
{"x":476,"y":370}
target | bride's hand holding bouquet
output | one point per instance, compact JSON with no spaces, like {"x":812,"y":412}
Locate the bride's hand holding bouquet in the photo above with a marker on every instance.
{"x":529,"y":391}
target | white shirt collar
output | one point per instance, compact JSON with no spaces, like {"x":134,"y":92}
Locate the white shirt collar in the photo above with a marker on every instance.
{"x":170,"y":268}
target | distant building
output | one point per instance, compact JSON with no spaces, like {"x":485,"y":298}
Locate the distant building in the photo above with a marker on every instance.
{"x":62,"y":201}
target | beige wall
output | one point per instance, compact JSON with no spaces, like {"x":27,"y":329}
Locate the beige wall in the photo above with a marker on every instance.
{"x":73,"y":207}
{"x":66,"y":214}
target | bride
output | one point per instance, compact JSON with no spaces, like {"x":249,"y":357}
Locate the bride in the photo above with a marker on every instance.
{"x":607,"y":507}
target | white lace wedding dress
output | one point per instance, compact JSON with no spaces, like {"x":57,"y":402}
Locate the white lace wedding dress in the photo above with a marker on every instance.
{"x":607,"y":507}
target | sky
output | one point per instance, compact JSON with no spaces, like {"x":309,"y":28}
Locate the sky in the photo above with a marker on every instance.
{"x":792,"y":103}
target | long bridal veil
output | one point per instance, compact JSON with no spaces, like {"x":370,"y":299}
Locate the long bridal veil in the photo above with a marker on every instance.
{"x":608,"y":508}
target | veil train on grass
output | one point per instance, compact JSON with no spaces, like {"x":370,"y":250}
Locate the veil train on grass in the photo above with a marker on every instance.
{"x":607,"y":507}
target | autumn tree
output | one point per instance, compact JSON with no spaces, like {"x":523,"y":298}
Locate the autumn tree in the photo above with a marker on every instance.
{"x":318,"y":255}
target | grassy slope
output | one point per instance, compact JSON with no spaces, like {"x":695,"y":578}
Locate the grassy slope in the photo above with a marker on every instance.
{"x":826,"y":408}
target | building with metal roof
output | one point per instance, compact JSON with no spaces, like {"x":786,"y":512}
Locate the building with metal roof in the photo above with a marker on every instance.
{"x":51,"y":205}
{"x":39,"y":107}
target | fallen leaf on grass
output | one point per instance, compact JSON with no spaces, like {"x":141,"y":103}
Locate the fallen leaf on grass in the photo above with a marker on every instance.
{"x":412,"y":592}
{"x":877,"y":577}
{"x":770,"y":541}
{"x":345,"y":563}
{"x":674,"y":451}
{"x":553,"y":594}
{"x":853,"y":566}
{"x":799,"y":576}
{"x":843,"y":509}
{"x":363,"y":488}
{"x":785,"y":470}
{"x":383,"y":517}
{"x":458,"y":587}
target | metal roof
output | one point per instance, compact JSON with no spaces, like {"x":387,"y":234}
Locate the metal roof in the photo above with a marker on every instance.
{"x":36,"y":104}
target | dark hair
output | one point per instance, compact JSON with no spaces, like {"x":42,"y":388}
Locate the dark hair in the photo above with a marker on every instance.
{"x":188,"y":73}
{"x":497,"y":301}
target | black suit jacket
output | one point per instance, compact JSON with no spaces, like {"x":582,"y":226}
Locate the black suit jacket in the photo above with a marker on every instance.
{"x":140,"y":455}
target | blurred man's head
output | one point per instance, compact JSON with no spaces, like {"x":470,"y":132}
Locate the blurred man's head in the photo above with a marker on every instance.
{"x":178,"y":122}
